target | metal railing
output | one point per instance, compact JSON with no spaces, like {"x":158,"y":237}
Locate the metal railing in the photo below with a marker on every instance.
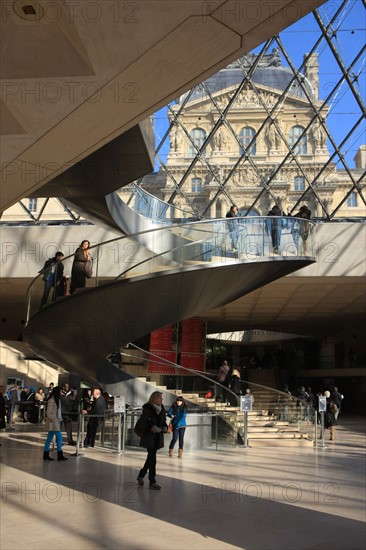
{"x":188,"y":245}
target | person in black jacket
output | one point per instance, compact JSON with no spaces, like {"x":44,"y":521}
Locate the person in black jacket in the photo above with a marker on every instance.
{"x":96,"y":413}
{"x":52,"y":275}
{"x":153,"y":426}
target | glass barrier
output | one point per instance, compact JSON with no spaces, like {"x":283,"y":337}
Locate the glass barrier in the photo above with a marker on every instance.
{"x":156,"y":210}
{"x":183,"y":245}
{"x":214,"y":416}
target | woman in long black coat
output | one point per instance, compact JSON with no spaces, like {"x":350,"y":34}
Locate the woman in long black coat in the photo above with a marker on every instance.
{"x":2,"y":412}
{"x":78,"y":274}
{"x":152,"y":424}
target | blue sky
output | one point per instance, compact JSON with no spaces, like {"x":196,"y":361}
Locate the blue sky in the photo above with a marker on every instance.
{"x":349,"y":39}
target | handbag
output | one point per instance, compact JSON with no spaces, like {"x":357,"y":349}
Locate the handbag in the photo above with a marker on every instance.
{"x":88,"y":268}
{"x":170,"y":428}
{"x":140,"y":427}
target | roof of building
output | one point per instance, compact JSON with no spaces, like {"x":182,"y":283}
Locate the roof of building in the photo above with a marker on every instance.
{"x":269,"y":73}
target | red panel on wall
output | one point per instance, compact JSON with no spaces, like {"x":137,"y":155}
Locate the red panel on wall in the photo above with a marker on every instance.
{"x":193,"y":344}
{"x":163,"y":342}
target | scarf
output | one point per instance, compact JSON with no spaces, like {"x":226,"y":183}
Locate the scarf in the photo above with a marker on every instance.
{"x":158,"y":408}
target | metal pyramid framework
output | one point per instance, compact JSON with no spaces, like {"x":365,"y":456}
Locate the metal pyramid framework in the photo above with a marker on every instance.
{"x":316,"y":70}
{"x":320,"y":152}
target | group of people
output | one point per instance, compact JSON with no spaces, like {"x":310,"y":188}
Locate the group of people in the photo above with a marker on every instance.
{"x":54,"y":278}
{"x":60,"y":410}
{"x":30,"y":403}
{"x":333,"y":405}
{"x":298,"y":229}
{"x":228,"y":378}
{"x":151,"y":427}
{"x":274,"y":227}
{"x":333,"y":408}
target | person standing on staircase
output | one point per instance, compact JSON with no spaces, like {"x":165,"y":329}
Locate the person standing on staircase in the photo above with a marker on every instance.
{"x":178,"y":415}
{"x":222,"y":378}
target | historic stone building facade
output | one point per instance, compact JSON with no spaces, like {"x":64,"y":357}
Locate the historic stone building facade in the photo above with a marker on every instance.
{"x":244,"y":139}
{"x":251,"y":142}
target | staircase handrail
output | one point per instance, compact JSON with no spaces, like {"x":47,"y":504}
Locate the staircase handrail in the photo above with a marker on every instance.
{"x":223,"y":230}
{"x":149,"y":198}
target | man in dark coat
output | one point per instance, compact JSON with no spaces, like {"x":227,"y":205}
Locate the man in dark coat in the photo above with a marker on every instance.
{"x":152,"y":426}
{"x":67,"y":406}
{"x":96,"y":418}
{"x":53,"y":271}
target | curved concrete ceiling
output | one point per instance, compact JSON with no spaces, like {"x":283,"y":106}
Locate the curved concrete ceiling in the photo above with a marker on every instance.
{"x":74,"y":76}
{"x":78,"y":332}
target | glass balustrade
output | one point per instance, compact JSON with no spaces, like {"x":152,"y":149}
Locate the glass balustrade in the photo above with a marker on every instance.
{"x":185,"y":245}
{"x":156,"y":210}
{"x":214,"y":416}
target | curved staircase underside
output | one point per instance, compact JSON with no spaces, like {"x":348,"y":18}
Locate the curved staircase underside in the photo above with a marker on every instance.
{"x":78,"y":332}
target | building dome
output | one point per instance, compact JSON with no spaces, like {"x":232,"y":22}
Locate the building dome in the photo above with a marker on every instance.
{"x":269,"y":73}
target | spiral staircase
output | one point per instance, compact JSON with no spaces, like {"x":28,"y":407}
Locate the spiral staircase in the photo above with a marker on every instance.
{"x":162,"y":269}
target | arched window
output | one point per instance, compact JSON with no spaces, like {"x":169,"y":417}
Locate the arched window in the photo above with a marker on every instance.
{"x":299,"y":183}
{"x":352,"y":200}
{"x":198,"y":136}
{"x":245,"y":137}
{"x":295,"y":133}
{"x":196,"y":185}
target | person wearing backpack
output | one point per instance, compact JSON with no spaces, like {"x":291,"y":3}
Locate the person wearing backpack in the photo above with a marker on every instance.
{"x":329,"y":418}
{"x":337,"y":397}
{"x":52,"y":275}
{"x":151,"y":427}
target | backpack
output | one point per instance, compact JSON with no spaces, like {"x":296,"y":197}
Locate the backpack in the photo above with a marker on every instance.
{"x":140,"y":428}
{"x":46,"y":272}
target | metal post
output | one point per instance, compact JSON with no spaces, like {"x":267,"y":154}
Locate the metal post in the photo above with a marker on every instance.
{"x":112,"y":433}
{"x":124,"y":431}
{"x":216,"y":429}
{"x":323,"y":446}
{"x":245,"y":445}
{"x":82,"y":430}
{"x":316,"y":429}
{"x":119,"y":433}
{"x":78,"y":437}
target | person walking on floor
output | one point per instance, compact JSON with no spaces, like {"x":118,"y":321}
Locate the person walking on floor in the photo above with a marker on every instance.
{"x":53,"y":425}
{"x":329,"y":419}
{"x":178,"y":414}
{"x":151,"y":427}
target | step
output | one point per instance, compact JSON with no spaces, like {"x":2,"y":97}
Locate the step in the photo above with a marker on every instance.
{"x":280,"y":443}
{"x":276,"y":435}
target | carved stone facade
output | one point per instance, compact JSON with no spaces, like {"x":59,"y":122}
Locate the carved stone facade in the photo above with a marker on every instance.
{"x":266,"y":143}
{"x":258,"y":143}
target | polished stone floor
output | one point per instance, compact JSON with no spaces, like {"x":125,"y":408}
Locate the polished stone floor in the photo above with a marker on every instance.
{"x":257,"y":498}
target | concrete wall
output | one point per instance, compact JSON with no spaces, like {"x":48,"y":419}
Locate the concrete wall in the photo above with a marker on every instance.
{"x":340,"y":249}
{"x":14,"y":365}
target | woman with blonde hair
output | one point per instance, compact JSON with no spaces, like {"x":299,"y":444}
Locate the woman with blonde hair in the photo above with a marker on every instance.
{"x":151,"y":427}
